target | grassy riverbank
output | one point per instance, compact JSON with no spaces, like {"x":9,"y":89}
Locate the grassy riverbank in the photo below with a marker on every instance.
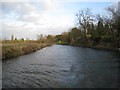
{"x":62,"y":43}
{"x":10,"y":50}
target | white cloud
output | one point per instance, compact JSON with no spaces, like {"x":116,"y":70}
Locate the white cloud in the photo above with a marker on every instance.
{"x":26,"y":8}
{"x":30,"y":19}
{"x":49,"y":25}
{"x":50,"y":5}
{"x":18,"y":7}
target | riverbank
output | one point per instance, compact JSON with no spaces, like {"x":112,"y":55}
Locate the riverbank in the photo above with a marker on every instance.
{"x":104,"y":48}
{"x":99,"y":46}
{"x":62,"y":43}
{"x":11,"y":50}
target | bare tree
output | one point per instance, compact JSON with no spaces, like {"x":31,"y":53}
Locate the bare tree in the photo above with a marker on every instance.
{"x":115,"y":11}
{"x":41,"y":38}
{"x":85,"y":17}
{"x":12,"y":37}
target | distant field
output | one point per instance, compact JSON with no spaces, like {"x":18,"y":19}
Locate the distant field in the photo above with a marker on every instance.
{"x":10,"y":50}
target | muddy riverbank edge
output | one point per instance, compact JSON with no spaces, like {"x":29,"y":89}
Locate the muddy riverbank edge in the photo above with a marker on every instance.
{"x":94,"y":47}
{"x":103,"y":48}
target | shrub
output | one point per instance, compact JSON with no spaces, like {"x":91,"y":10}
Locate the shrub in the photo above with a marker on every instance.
{"x":107,"y":38}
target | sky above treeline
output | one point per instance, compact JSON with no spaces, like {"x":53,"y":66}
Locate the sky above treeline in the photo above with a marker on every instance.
{"x":28,"y":19}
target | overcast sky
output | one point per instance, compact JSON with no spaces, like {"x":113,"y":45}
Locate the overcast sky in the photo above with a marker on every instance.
{"x":28,"y":19}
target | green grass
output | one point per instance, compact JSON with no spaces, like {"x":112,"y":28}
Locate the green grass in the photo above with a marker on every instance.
{"x":62,"y":43}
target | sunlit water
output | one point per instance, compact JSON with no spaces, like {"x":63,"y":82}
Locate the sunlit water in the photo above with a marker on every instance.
{"x":61,"y":66}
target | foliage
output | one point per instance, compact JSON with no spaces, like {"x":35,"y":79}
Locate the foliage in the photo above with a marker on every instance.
{"x":89,"y":32}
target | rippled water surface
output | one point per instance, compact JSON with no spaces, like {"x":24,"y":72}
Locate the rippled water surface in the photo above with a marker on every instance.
{"x":61,"y":66}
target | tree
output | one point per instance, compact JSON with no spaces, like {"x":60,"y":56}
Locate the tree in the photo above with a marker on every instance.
{"x":40,"y":38}
{"x":58,"y":37}
{"x":50,"y":39}
{"x":15,"y":38}
{"x":22,"y":39}
{"x":85,"y":17}
{"x":100,"y":27}
{"x":98,"y":32}
{"x":75,"y":35}
{"x":65,"y":37}
{"x":12,"y":37}
{"x":115,"y":22}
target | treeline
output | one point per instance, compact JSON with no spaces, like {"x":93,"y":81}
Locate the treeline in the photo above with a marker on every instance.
{"x":94,"y":30}
{"x":46,"y":38}
{"x":40,"y":39}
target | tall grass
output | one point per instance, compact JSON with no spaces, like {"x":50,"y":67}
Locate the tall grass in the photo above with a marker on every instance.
{"x":10,"y":50}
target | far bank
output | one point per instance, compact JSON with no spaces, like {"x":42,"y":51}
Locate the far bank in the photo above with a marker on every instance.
{"x":102,"y":45}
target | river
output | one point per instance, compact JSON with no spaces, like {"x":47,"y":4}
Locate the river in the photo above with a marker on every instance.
{"x":62,"y":66}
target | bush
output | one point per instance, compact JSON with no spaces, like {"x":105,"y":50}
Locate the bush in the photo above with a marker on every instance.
{"x":96,"y":36}
{"x":107,"y":38}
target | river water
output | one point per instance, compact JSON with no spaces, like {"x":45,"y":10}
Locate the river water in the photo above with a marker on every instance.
{"x":62,"y":66}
